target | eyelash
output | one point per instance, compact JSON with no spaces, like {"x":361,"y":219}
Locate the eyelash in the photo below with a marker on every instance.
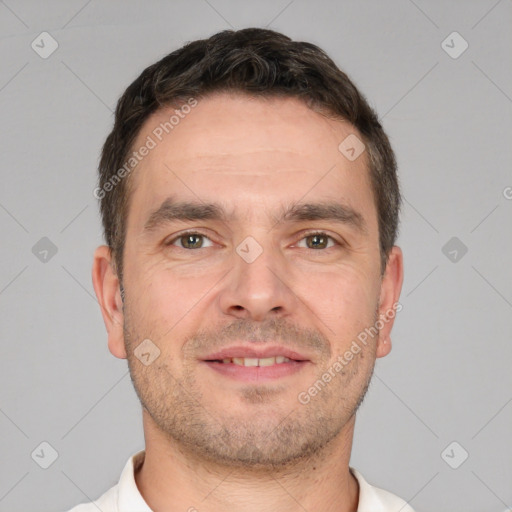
{"x":305,"y":235}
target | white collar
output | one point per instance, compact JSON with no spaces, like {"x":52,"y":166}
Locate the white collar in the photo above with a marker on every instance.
{"x":371,"y":499}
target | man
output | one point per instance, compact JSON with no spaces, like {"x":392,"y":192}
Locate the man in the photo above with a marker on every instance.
{"x":250,"y":205}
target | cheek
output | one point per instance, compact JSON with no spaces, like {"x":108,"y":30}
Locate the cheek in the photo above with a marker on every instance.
{"x":343,"y":297}
{"x":345,"y":304}
{"x":165,"y":305}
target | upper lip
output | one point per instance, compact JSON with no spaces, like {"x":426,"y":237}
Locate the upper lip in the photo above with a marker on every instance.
{"x":253,"y":352}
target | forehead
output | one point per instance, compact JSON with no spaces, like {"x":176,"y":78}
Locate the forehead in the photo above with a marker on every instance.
{"x":252,"y":153}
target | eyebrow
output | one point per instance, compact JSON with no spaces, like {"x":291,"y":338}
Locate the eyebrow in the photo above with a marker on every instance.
{"x":171,"y":210}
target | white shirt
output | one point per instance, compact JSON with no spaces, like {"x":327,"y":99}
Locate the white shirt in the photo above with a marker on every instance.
{"x":125,"y":496}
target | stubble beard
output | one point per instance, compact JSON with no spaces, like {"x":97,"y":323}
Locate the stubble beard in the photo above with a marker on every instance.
{"x":270,"y":441}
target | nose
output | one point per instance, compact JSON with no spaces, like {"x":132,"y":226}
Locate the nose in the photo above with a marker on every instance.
{"x":258,"y":289}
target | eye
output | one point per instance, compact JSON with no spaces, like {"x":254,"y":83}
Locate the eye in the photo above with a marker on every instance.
{"x":195,"y":240}
{"x":189,"y":240}
{"x":319,"y":240}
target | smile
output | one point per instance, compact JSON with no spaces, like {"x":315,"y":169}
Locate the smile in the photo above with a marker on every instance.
{"x":253,"y":361}
{"x":256,"y":370}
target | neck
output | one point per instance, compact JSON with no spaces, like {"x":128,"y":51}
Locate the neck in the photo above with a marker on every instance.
{"x":172,"y":478}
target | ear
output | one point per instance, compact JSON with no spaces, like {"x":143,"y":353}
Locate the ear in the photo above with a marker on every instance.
{"x":107,"y":287}
{"x":391,"y":286}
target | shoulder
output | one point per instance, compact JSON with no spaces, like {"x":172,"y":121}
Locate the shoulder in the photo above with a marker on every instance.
{"x":107,"y":502}
{"x":375,"y":499}
{"x":121,"y":496}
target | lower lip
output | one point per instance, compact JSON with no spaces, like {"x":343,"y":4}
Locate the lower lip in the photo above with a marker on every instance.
{"x":257,"y":373}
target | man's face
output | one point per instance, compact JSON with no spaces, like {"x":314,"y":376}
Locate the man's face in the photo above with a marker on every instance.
{"x":251,"y":286}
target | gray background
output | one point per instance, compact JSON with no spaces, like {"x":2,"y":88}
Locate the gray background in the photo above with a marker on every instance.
{"x":448,"y":376}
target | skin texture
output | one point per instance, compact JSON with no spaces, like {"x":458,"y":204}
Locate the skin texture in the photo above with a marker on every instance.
{"x":212,"y":442}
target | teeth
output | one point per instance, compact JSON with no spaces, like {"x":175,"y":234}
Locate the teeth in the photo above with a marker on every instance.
{"x":253,"y":361}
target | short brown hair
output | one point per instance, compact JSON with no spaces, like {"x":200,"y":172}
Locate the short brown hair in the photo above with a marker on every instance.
{"x":258,"y":62}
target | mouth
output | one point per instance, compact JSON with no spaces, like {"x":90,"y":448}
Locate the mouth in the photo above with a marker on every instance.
{"x":252,"y":361}
{"x":251,"y":365}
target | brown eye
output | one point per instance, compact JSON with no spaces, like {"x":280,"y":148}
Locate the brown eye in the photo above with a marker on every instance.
{"x":319,"y":241}
{"x":189,"y":241}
